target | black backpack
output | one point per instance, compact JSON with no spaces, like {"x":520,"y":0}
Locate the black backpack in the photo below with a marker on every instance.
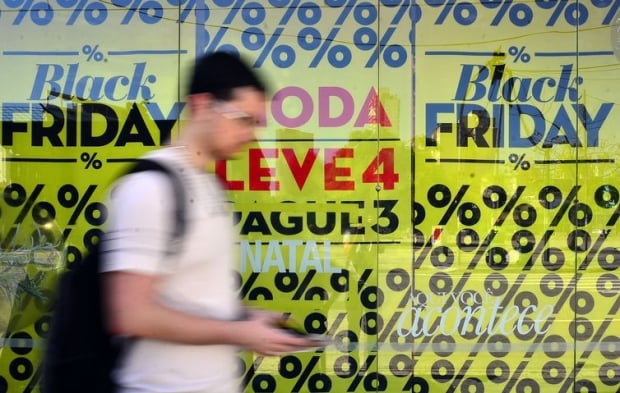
{"x":80,"y":354}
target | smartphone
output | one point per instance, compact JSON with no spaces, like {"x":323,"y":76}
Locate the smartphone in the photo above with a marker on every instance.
{"x":292,"y":326}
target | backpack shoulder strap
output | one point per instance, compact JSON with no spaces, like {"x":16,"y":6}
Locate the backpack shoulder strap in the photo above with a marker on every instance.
{"x":142,"y":165}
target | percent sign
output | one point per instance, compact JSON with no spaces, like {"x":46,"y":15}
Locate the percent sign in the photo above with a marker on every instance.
{"x":372,"y":381}
{"x":339,"y":55}
{"x":187,"y":7}
{"x":612,"y":15}
{"x":95,"y":214}
{"x":41,"y":13}
{"x":253,"y":38}
{"x":520,"y":14}
{"x":289,"y":282}
{"x":575,"y":13}
{"x":94,"y":12}
{"x":91,"y":160}
{"x":92,"y":53}
{"x":494,"y":197}
{"x":69,"y":197}
{"x":519,"y":161}
{"x":463,"y":13}
{"x":150,"y":11}
{"x":551,"y":197}
{"x":291,"y":367}
{"x":519,"y":54}
{"x":607,"y":197}
{"x":372,"y":297}
{"x":248,"y":291}
{"x":365,"y":38}
{"x":15,"y":195}
{"x":440,"y":196}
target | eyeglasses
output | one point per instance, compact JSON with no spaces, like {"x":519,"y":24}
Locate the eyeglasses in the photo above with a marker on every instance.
{"x":231,"y":112}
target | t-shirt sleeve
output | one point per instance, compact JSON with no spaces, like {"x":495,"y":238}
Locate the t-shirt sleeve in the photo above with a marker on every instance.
{"x":140,"y":224}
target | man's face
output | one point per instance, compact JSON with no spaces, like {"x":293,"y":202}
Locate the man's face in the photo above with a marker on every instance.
{"x":233,"y":123}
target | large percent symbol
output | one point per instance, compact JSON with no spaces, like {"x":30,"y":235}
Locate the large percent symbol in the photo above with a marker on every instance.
{"x":372,"y":323}
{"x":186,"y":10}
{"x":365,"y":38}
{"x":229,"y":20}
{"x":15,"y":195}
{"x":464,"y":13}
{"x":613,"y":5}
{"x":550,"y":197}
{"x":440,"y":196}
{"x":310,"y":38}
{"x":346,"y":365}
{"x":249,"y":291}
{"x":94,"y":12}
{"x":494,"y":197}
{"x":575,"y":13}
{"x":606,"y":196}
{"x":261,"y":383}
{"x":520,"y":14}
{"x":291,"y":367}
{"x":150,"y":11}
{"x":339,"y":55}
{"x":374,"y":381}
{"x":253,"y":38}
{"x":289,"y":282}
{"x":398,"y":281}
{"x":95,"y":214}
{"x":41,"y":13}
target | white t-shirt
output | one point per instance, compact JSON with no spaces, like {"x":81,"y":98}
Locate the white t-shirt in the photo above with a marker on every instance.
{"x":199,"y":279}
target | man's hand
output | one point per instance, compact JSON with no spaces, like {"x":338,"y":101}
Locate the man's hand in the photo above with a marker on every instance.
{"x":262,"y":334}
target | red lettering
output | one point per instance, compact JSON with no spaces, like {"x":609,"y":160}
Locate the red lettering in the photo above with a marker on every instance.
{"x":300,"y":172}
{"x":333,"y":172}
{"x":220,"y":171}
{"x":258,"y":172}
{"x":385,"y":160}
{"x":337,"y":169}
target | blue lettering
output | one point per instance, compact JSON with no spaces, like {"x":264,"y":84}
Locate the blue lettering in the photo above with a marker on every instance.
{"x":515,"y":112}
{"x":473,"y":81}
{"x":432,"y":123}
{"x":564,"y":85}
{"x":54,"y":80}
{"x":111,"y":86}
{"x":138,"y":86}
{"x":466,"y":80}
{"x":539,"y":88}
{"x":593,"y":126}
{"x":165,"y":123}
{"x":562,"y":122}
{"x":42,"y":78}
{"x":9,"y":126}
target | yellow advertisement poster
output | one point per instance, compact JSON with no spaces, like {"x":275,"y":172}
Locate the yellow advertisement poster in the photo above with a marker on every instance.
{"x":315,"y":200}
{"x":516,"y":204}
{"x":432,"y":188}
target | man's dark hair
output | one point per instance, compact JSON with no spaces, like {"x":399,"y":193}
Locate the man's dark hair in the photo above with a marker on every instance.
{"x":218,"y":73}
